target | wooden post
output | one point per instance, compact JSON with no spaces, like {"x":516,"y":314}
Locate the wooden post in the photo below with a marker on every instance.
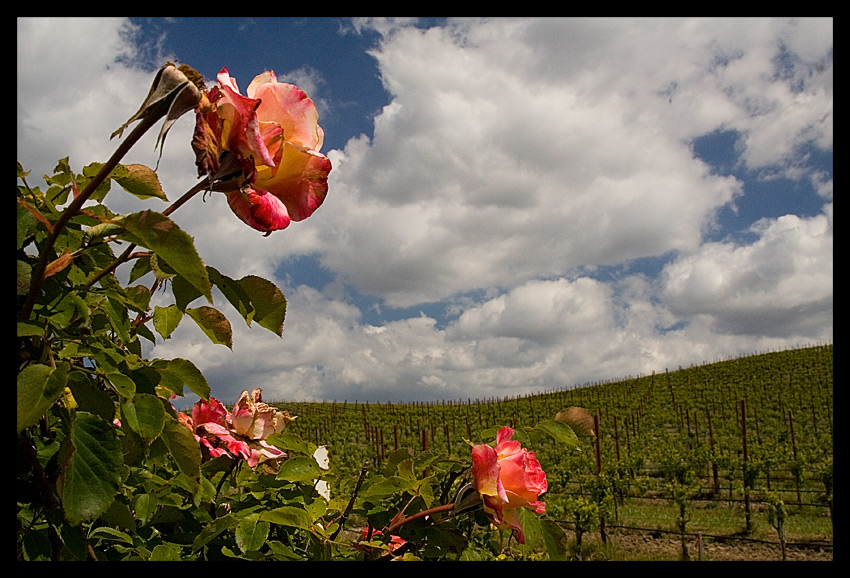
{"x":746,"y":464}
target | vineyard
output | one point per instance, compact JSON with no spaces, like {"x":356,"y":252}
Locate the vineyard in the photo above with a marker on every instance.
{"x":734,"y":454}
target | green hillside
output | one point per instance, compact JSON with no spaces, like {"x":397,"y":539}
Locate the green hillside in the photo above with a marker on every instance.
{"x":729,"y":436}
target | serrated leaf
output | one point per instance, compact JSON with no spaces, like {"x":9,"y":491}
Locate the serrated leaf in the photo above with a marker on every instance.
{"x":166,"y":553}
{"x":184,"y":292}
{"x":213,"y":323}
{"x":148,"y":415}
{"x":166,"y":319}
{"x":93,"y":474}
{"x":389,"y":486}
{"x":38,"y":387}
{"x":299,"y":469}
{"x":24,"y":277}
{"x":125,"y":386}
{"x":181,"y":443}
{"x":233,"y":292}
{"x":186,"y":372}
{"x":290,"y":442}
{"x":213,"y":528}
{"x":288,"y":516}
{"x":162,"y":236}
{"x":251,"y":533}
{"x":107,"y":533}
{"x":142,"y":182}
{"x":560,"y":432}
{"x":268,"y":302}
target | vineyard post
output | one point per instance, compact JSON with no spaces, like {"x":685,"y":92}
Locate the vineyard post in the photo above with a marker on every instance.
{"x":596,"y":420}
{"x":711,"y":448}
{"x":746,"y":467}
{"x":795,"y":469}
{"x":616,"y":439}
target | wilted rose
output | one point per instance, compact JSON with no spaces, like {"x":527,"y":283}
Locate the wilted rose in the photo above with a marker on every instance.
{"x":508,"y":477}
{"x":241,"y":433}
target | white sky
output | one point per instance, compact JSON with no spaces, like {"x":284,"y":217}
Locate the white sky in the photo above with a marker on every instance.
{"x":515,"y":160}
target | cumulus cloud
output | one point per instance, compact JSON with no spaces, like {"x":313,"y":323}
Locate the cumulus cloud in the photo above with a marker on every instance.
{"x":519,"y":174}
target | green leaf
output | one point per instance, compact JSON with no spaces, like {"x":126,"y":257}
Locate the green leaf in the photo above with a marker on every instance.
{"x":555,"y":539}
{"x":125,"y":386}
{"x":30,"y":329}
{"x":268,"y":302}
{"x":532,"y":529}
{"x":166,"y":319}
{"x":24,"y":277}
{"x":288,"y":516}
{"x":251,"y":533}
{"x":560,"y":432}
{"x":166,"y":553}
{"x":107,"y":533}
{"x":184,"y":292}
{"x":162,"y":236}
{"x":213,"y":323}
{"x":299,"y":469}
{"x":291,"y":442}
{"x":38,"y":387}
{"x":388,"y":486}
{"x":144,"y":507}
{"x":93,"y":474}
{"x":142,"y":182}
{"x":184,"y":449}
{"x":213,"y":529}
{"x":148,"y":415}
{"x":186,"y":372}
{"x":90,"y":397}
{"x":233,"y":292}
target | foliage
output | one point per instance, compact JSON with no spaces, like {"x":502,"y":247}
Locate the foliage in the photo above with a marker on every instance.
{"x":107,"y":469}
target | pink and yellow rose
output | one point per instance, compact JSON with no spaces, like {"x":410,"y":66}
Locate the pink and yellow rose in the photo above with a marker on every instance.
{"x":508,"y":477}
{"x":269,"y":141}
{"x":243,"y":432}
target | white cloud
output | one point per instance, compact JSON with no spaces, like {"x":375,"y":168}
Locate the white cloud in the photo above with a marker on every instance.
{"x":515,"y":159}
{"x":780,"y":285}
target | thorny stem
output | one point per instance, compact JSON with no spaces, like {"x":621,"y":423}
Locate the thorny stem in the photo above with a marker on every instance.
{"x":74,"y":207}
{"x":129,"y":250}
{"x":417,"y":515}
{"x":344,"y":517}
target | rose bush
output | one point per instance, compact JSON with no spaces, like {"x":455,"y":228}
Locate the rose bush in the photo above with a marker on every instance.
{"x":108,"y":469}
{"x":508,"y":477}
{"x":266,"y":144}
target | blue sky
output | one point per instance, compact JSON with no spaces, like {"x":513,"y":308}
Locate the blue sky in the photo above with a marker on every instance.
{"x":516,"y":205}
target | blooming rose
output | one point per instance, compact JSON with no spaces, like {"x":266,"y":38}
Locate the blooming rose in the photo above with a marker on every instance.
{"x":508,"y":477}
{"x":269,"y":141}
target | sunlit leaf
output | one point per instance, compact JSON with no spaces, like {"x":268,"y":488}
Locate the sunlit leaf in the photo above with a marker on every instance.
{"x":299,"y":469}
{"x":166,"y":319}
{"x":213,"y":323}
{"x":142,"y":182}
{"x":186,"y":372}
{"x":268,"y":301}
{"x":38,"y":387}
{"x":288,"y":516}
{"x":162,"y":236}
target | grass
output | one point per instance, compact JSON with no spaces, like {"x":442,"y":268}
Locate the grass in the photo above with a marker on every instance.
{"x":804,"y":524}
